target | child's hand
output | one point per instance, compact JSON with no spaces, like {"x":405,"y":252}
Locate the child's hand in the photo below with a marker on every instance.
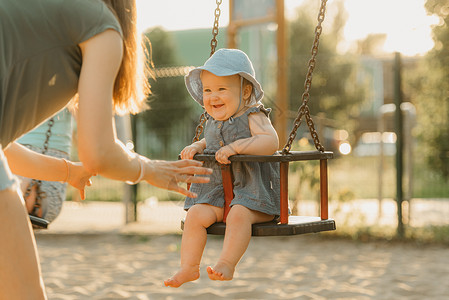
{"x":223,"y":154}
{"x":78,"y":177}
{"x":189,"y":151}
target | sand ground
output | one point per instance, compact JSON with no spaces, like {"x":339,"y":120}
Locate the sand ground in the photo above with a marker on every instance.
{"x":115,"y":266}
{"x":88,"y":253}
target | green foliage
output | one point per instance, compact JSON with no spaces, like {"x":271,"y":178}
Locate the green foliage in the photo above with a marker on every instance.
{"x":169,"y":101}
{"x":418,"y":235}
{"x":334,"y":90}
{"x":345,"y":195}
{"x":431,"y":89}
{"x":428,"y":234}
{"x":304,"y":175}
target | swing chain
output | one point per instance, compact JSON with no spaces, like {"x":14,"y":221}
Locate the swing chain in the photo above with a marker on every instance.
{"x":199,"y":128}
{"x":213,"y":46}
{"x":39,"y":194}
{"x":51,"y":122}
{"x":213,"y":42}
{"x":304,"y":108}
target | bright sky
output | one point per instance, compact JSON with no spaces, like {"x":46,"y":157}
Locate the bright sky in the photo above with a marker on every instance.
{"x":404,"y":21}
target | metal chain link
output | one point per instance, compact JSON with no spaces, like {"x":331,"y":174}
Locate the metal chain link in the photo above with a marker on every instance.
{"x":40,"y":194}
{"x":213,"y":46}
{"x":213,"y":42}
{"x":172,"y":71}
{"x":199,"y":128}
{"x":304,"y":109}
{"x":51,"y":122}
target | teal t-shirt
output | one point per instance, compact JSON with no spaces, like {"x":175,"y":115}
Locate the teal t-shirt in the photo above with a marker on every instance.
{"x":60,"y":133}
{"x":40,"y":60}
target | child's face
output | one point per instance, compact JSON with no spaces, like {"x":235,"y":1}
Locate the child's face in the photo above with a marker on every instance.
{"x":221,"y":95}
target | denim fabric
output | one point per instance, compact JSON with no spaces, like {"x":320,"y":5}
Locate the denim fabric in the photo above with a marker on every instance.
{"x":256,"y":184}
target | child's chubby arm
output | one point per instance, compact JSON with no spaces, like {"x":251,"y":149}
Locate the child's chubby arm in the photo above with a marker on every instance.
{"x":189,"y":151}
{"x":263,"y":141}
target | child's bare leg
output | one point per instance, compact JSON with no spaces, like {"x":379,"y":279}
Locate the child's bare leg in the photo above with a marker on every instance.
{"x":236,"y":241}
{"x":194,"y":237}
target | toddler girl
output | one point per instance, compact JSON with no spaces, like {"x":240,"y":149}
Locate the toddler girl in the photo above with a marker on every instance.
{"x":237,"y":123}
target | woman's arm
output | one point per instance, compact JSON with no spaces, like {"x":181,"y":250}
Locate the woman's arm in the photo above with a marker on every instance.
{"x":263,"y":141}
{"x":98,"y":148}
{"x":27,"y":163}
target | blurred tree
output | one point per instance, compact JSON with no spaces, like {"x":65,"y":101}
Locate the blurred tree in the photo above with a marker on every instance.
{"x":307,"y":176}
{"x":431,"y":87}
{"x":335,"y":90}
{"x":169,"y":100}
{"x":372,"y":44}
{"x":334,"y":87}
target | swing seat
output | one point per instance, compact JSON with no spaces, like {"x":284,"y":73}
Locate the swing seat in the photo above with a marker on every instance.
{"x":296,"y":225}
{"x":287,"y":225}
{"x":39,"y":223}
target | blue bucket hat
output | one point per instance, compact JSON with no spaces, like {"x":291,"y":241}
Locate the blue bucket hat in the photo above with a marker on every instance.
{"x":224,"y":62}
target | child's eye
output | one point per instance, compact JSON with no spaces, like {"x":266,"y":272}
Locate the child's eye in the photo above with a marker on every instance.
{"x":222,"y":89}
{"x":206,"y":91}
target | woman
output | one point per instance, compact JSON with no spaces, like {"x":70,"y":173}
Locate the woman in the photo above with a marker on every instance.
{"x":50,"y":51}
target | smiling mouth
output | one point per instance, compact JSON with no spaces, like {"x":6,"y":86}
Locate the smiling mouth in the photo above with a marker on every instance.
{"x":218,"y":105}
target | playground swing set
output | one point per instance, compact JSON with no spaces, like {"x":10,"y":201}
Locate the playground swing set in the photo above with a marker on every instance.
{"x":287,"y":225}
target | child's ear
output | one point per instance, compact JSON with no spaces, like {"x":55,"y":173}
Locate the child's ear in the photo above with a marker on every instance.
{"x":247,"y":90}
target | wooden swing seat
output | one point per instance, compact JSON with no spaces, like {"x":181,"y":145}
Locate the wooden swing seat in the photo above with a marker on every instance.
{"x":39,"y":223}
{"x":296,"y":225}
{"x":287,"y":225}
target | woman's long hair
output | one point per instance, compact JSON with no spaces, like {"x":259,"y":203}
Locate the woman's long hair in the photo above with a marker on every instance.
{"x":131,"y":86}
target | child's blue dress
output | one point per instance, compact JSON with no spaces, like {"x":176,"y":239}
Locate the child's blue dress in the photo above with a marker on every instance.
{"x":256,"y":184}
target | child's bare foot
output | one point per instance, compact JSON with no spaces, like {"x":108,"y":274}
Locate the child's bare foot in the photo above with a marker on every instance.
{"x":221,"y":271}
{"x":183,"y":276}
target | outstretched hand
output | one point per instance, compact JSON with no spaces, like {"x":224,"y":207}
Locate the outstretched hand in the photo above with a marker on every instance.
{"x":168,"y":174}
{"x":78,"y":177}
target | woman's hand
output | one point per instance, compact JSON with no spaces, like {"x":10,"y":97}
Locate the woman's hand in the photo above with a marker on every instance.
{"x":222,"y":155}
{"x":78,"y":177}
{"x":167,"y":174}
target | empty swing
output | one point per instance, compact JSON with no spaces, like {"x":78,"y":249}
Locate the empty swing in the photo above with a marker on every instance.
{"x":287,"y":225}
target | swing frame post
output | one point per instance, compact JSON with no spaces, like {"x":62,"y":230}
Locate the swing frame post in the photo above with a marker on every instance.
{"x":284,"y":192}
{"x":324,"y":197}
